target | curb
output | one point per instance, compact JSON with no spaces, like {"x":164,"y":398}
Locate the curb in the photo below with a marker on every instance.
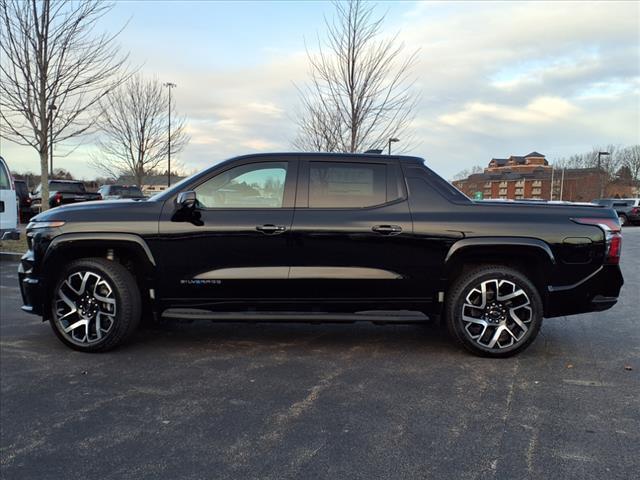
{"x":10,"y":256}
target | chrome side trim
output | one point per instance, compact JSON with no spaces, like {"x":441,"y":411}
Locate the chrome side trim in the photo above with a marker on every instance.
{"x":298,"y":273}
{"x":245,"y":273}
{"x":344,"y":273}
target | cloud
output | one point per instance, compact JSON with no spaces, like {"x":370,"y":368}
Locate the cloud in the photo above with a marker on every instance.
{"x":540,"y":110}
{"x":504,"y":78}
{"x":495,"y":79}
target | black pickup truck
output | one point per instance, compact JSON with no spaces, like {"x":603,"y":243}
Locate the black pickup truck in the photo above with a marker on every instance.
{"x":319,"y":238}
{"x":62,"y":192}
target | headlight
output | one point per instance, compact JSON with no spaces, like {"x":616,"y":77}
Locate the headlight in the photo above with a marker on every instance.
{"x":34,"y":225}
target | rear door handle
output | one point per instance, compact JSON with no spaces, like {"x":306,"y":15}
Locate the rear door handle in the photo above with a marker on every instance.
{"x":270,"y":229}
{"x":387,"y":229}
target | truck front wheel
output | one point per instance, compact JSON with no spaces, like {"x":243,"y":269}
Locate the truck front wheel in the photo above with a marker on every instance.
{"x":96,"y":305}
{"x":493,"y":311}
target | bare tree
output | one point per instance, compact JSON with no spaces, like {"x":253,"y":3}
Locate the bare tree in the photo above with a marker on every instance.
{"x":464,"y":174}
{"x":630,"y":158}
{"x":134,"y":125}
{"x":608,"y":163}
{"x":361,"y":88}
{"x":318,"y":129}
{"x":53,"y":71}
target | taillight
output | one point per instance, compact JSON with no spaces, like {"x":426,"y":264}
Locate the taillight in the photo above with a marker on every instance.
{"x":635,"y":211}
{"x":57,"y":198}
{"x":612,"y":235}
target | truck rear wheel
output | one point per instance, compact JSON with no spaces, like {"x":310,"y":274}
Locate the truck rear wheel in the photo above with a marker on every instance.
{"x":96,"y":305}
{"x":493,"y":311}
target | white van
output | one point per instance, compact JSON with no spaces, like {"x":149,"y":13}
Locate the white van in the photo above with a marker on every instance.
{"x":8,"y":205}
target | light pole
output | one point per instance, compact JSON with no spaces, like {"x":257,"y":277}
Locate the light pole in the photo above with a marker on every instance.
{"x":600,"y":154}
{"x":169,"y":85}
{"x":392,"y":140}
{"x":52,"y":108}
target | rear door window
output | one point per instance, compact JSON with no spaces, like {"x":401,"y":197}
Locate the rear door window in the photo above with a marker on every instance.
{"x":347,"y":185}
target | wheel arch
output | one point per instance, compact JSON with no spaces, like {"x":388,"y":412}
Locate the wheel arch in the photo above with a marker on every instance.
{"x":128,"y":249}
{"x":530,"y":256}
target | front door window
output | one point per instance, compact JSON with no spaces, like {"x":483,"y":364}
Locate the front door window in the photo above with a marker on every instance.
{"x":257,"y":185}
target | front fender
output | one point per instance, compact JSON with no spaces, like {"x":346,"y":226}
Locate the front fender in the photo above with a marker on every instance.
{"x":97,"y":239}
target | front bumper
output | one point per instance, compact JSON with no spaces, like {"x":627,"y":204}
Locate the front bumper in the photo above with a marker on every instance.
{"x":10,"y":234}
{"x":598,"y":291}
{"x":31,"y":286}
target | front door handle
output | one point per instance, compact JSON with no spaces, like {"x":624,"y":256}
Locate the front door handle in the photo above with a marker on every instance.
{"x":270,"y":229}
{"x":387,"y":229}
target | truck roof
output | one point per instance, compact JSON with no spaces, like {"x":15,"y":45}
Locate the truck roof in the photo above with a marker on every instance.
{"x":337,"y":156}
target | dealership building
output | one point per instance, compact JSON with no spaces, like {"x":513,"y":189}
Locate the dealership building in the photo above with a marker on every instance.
{"x":531,"y":177}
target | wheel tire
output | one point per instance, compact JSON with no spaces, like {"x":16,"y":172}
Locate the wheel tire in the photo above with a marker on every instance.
{"x":624,"y":221}
{"x":466,"y":294}
{"x":124,"y":295}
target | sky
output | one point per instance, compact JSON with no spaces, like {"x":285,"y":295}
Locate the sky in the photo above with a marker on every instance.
{"x":494,"y":78}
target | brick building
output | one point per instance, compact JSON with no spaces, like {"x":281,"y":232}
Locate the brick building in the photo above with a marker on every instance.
{"x":531,"y":177}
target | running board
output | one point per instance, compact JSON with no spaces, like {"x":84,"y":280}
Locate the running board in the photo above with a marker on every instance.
{"x":304,"y":317}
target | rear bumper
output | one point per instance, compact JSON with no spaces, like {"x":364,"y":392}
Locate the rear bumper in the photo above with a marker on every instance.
{"x":634,"y":219}
{"x":31,"y":286}
{"x":598,"y":291}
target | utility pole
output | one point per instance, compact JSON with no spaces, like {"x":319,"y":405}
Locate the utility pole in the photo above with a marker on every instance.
{"x":551,"y":189}
{"x":600,"y":154}
{"x":169,"y":85}
{"x":52,"y":108}
{"x":562,"y":184}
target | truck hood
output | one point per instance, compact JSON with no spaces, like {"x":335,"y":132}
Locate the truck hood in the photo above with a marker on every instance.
{"x":95,"y":211}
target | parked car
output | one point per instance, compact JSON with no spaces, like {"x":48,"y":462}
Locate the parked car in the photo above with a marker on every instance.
{"x":628,"y":209}
{"x":8,"y":204}
{"x":24,"y":200}
{"x":325,"y":236}
{"x":62,"y":192}
{"x":113,"y":192}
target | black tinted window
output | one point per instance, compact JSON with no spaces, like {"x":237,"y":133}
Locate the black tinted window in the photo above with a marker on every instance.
{"x":125,"y":191}
{"x":5,"y":184}
{"x":66,"y":187}
{"x":347,"y":185}
{"x":21,"y":188}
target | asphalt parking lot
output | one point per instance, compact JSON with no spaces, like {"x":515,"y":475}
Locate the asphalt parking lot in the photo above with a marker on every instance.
{"x":273,"y":401}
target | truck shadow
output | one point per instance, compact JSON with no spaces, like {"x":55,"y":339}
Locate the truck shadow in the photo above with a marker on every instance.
{"x":171,"y":336}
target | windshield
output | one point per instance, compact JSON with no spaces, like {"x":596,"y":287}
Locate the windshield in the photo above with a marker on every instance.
{"x":21,"y":188}
{"x":72,"y":187}
{"x":175,"y":187}
{"x":125,"y":191}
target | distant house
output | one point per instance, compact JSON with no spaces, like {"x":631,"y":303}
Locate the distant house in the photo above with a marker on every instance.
{"x":151,"y":184}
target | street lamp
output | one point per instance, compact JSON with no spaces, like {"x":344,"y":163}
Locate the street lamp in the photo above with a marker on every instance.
{"x":392,"y":140}
{"x":600,"y":154}
{"x":52,"y":108}
{"x":169,"y":85}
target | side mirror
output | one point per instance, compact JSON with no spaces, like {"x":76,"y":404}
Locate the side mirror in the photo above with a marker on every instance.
{"x":186,"y":200}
